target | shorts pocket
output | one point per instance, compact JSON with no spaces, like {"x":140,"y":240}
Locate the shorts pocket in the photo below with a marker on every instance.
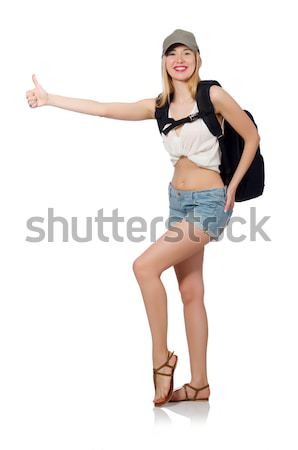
{"x":209,"y":199}
{"x":204,"y":212}
{"x":222,"y":220}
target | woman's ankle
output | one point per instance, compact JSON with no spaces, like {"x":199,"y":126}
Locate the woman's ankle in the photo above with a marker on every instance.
{"x":199,"y":382}
{"x":159,"y":357}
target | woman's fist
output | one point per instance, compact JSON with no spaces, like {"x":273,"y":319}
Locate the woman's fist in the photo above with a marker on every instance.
{"x":37,"y":96}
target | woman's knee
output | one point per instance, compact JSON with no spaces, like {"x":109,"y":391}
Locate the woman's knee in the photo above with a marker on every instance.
{"x":192,"y":292}
{"x":141,"y":267}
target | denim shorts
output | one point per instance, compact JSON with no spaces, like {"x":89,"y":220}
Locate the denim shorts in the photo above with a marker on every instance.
{"x":204,"y":208}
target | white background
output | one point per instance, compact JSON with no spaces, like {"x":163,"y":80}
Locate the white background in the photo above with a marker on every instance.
{"x":76,"y":369}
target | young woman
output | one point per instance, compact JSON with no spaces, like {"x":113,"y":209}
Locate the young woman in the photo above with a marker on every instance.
{"x":196,"y":193}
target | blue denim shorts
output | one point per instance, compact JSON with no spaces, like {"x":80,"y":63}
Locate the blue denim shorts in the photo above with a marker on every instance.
{"x":204,"y":208}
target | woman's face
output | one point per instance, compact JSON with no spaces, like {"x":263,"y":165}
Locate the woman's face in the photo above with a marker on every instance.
{"x":180,"y":62}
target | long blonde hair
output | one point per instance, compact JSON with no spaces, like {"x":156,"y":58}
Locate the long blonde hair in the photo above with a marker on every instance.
{"x":168,"y":88}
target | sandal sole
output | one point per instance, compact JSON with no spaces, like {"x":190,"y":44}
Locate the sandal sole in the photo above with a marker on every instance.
{"x":190,"y":400}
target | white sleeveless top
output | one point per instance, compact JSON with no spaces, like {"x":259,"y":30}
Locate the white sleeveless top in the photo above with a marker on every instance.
{"x":194,"y":141}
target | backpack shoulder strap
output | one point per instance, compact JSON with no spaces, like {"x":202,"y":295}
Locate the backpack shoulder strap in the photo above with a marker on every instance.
{"x":206,"y":107}
{"x":166,"y":123}
{"x":161,"y":114}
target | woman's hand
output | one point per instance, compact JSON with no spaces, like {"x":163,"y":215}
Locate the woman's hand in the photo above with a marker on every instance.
{"x":38,"y":96}
{"x":231,"y":192}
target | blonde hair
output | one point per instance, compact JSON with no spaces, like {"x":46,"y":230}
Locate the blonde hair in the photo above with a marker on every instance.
{"x":168,"y":88}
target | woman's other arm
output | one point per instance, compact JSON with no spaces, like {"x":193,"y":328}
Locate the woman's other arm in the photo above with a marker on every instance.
{"x":140,"y":110}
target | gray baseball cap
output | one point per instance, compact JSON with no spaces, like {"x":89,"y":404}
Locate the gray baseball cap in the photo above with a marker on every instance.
{"x":180,"y":37}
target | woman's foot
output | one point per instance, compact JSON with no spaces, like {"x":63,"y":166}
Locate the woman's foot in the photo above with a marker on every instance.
{"x":163,"y":382}
{"x":179,"y":394}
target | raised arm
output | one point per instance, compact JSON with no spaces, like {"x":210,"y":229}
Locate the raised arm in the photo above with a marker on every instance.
{"x":140,"y":110}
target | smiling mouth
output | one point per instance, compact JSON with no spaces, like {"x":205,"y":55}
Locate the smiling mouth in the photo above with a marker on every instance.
{"x":180,"y":69}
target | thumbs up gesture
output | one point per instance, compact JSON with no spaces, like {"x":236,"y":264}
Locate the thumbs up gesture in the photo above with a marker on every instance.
{"x":37,"y":96}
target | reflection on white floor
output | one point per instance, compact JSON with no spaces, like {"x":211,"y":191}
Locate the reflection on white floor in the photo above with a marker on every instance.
{"x":195,"y":412}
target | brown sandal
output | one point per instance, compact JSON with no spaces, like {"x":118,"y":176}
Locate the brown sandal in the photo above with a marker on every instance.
{"x":155,"y":372}
{"x":194,"y":398}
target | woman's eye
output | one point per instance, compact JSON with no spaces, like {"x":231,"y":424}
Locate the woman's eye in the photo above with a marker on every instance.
{"x":172,"y":53}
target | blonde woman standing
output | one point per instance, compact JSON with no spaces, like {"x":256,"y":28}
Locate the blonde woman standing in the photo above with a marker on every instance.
{"x":196,"y":193}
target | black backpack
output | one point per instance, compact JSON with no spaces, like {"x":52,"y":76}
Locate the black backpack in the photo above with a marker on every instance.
{"x":231,"y":143}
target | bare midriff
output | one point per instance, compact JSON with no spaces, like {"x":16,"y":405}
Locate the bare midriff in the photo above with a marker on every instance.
{"x":190,"y":176}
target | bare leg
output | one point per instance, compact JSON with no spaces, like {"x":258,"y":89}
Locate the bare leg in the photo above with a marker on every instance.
{"x":147,"y":268}
{"x":190,"y":279}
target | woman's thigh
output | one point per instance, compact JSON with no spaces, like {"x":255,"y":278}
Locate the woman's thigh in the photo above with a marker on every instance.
{"x":178,"y":243}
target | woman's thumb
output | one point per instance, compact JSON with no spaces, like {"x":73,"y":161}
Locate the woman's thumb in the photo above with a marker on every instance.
{"x":35,"y":80}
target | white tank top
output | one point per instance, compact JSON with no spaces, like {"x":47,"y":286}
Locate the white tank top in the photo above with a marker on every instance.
{"x":194,"y":141}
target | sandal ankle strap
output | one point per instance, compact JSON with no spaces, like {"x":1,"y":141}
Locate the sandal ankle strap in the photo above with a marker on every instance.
{"x":195,"y":389}
{"x":170,"y":354}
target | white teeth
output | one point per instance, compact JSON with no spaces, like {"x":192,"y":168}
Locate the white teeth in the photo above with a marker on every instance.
{"x":180,"y":68}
